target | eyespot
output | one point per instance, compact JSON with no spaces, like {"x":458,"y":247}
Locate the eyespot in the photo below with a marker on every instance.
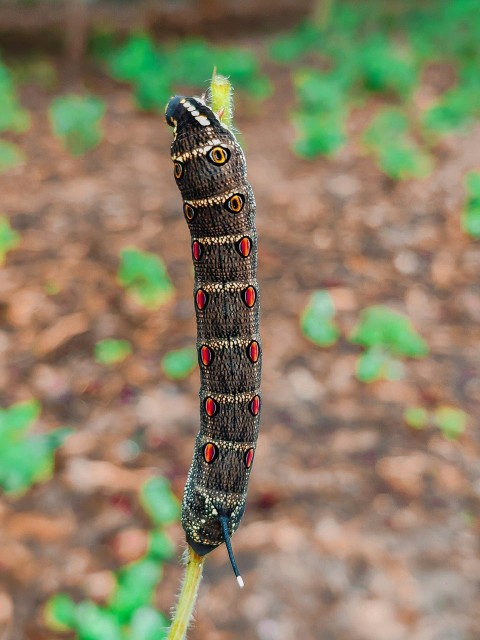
{"x":218,"y":155}
{"x":177,"y":170}
{"x":205,"y":355}
{"x":188,"y":211}
{"x":244,"y":246}
{"x":197,"y":250}
{"x":249,"y":296}
{"x":248,"y":457}
{"x":210,"y":452}
{"x":253,"y":351}
{"x":235,"y":203}
{"x":201,"y":299}
{"x":254,"y":405}
{"x":211,"y":407}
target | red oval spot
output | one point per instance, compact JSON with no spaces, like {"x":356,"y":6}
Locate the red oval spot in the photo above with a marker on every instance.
{"x":244,"y":246}
{"x":248,"y":459}
{"x":253,"y":351}
{"x":211,"y":407}
{"x":201,"y":299}
{"x":254,"y":405}
{"x":249,"y":296}
{"x":206,"y":355}
{"x":210,"y":452}
{"x":197,"y":250}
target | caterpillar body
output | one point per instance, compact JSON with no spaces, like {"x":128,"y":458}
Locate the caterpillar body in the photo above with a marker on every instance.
{"x":219,"y":207}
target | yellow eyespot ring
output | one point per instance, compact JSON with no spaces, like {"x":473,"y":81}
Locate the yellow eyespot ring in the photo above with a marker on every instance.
{"x":177,"y":170}
{"x":235,"y":203}
{"x":188,"y":211}
{"x":218,"y":155}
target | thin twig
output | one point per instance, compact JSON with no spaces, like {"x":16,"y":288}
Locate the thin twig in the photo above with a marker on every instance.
{"x":188,"y":596}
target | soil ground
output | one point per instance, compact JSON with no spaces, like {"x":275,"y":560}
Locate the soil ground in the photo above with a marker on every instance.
{"x":357,"y":527}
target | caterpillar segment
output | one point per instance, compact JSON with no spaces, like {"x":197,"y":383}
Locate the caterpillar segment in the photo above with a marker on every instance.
{"x":219,"y":208}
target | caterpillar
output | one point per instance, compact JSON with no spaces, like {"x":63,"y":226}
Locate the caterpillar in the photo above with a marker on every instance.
{"x":219,"y":207}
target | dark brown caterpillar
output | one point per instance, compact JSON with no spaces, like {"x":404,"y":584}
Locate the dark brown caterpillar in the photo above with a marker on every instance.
{"x":218,"y":204}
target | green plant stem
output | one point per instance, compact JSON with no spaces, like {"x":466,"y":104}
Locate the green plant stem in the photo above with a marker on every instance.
{"x":188,"y":596}
{"x":221,"y":96}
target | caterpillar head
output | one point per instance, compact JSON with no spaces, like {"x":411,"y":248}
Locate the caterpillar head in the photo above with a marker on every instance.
{"x":191,"y":113}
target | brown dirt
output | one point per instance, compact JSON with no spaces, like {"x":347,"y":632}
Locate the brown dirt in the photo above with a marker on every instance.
{"x":357,"y":528}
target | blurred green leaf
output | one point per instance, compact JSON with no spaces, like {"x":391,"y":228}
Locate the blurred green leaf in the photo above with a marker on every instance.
{"x":380,"y":326}
{"x":384,"y":68}
{"x":149,"y":624}
{"x":25,"y":459}
{"x":451,"y":421}
{"x":160,"y":547}
{"x":180,"y":363}
{"x":318,"y":133}
{"x":12,"y":116}
{"x":159,"y":502}
{"x":135,"y":588}
{"x":17,"y":419}
{"x":60,"y":613}
{"x":76,"y":120}
{"x":152,"y":91}
{"x":111,"y":351}
{"x":294,"y":45}
{"x":9,"y":239}
{"x":134,"y":58}
{"x":416,"y":417}
{"x":11,"y":156}
{"x":371,"y":365}
{"x":471,"y":210}
{"x":317,"y":91}
{"x":316,"y":321}
{"x":144,"y":275}
{"x":96,"y":623}
{"x":397,"y":153}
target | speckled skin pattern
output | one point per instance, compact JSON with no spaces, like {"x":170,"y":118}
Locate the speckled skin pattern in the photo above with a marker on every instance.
{"x":218,"y":204}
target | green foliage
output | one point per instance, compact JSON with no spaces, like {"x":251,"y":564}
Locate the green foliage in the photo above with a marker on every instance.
{"x":12,"y":116}
{"x":292,"y":46}
{"x":145,"y":276}
{"x":416,"y":417}
{"x":149,"y":624}
{"x":76,"y":120}
{"x":383,"y":68}
{"x":180,"y":363}
{"x":10,"y":156}
{"x":154,"y":71}
{"x":60,"y":612}
{"x":9,"y":239}
{"x":24,"y":458}
{"x":386,"y":335}
{"x":129,"y":613}
{"x":135,"y":588}
{"x":160,"y":547}
{"x":93,"y":622}
{"x":320,"y":120}
{"x":159,"y":502}
{"x":451,"y":421}
{"x":317,"y":319}
{"x":471,"y":210}
{"x":397,"y":153}
{"x":364,"y":50}
{"x":111,"y":351}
